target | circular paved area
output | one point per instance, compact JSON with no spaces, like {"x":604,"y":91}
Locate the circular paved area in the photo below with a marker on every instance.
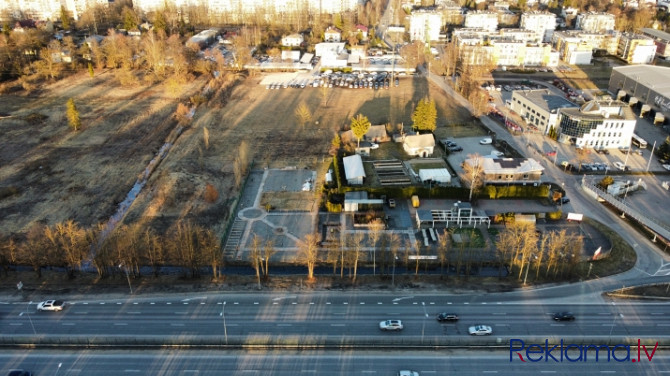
{"x":251,"y":213}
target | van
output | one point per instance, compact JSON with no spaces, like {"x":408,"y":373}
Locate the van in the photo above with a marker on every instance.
{"x":415,"y":201}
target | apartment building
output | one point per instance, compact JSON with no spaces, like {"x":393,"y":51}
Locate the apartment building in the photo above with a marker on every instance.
{"x":425,"y":26}
{"x":597,"y":124}
{"x":662,"y":41}
{"x":481,"y":20}
{"x":636,"y":48}
{"x":479,"y":46}
{"x":595,"y":22}
{"x":543,"y":23}
{"x":576,"y":46}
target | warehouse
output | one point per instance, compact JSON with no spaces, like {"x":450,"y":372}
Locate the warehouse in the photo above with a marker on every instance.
{"x":646,"y":84}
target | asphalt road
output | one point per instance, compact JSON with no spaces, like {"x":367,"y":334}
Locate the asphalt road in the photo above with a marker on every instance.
{"x":364,"y":363}
{"x":339,"y":316}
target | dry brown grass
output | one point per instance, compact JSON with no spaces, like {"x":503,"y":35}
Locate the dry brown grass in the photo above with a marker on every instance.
{"x":300,"y":201}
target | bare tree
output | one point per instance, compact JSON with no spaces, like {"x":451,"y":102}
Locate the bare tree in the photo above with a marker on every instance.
{"x":443,"y":248}
{"x":473,"y":173}
{"x":268,"y":251}
{"x":375,"y":229}
{"x":308,"y":253}
{"x":302,"y":114}
{"x":210,"y":250}
{"x":34,"y":251}
{"x":69,"y":242}
{"x":354,"y":254}
{"x":256,"y":257}
{"x":241,"y":163}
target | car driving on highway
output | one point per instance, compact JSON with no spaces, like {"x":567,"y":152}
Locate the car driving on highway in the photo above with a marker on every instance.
{"x":444,"y":316}
{"x":390,"y":325}
{"x":480,"y":330}
{"x":564,"y":316}
{"x":51,"y":305}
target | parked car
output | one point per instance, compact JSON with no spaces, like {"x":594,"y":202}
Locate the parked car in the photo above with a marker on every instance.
{"x":486,"y":141}
{"x":454,"y":148}
{"x":391,"y":203}
{"x":387,"y":325}
{"x":51,"y":305}
{"x":565,"y":200}
{"x":480,"y":330}
{"x":444,"y":316}
{"x":374,"y":146}
{"x":666,"y":166}
{"x":564,"y":316}
{"x":498,"y":154}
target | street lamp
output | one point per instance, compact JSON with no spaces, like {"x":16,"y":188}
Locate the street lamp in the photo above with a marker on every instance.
{"x":393,"y":277}
{"x":127,"y":277}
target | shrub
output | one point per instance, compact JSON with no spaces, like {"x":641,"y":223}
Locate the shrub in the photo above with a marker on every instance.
{"x":211,"y":194}
{"x":555,"y":216}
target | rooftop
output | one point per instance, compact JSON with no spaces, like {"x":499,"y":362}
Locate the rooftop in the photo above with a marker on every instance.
{"x":545,"y":99}
{"x":601,"y":109}
{"x":654,"y":77}
{"x":657,"y":34}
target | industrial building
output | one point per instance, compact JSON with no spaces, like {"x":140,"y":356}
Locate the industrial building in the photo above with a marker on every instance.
{"x":647,"y":84}
{"x":539,"y":108}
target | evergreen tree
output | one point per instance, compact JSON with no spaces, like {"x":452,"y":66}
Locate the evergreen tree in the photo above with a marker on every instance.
{"x":425,"y":116}
{"x":73,"y":115}
{"x":90,"y":70}
{"x":64,"y":18}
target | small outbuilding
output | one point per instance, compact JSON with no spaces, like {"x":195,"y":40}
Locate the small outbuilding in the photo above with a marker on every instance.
{"x":353,"y":169}
{"x":437,"y":175}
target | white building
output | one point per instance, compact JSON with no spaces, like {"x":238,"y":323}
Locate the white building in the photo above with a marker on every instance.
{"x":539,"y":108}
{"x":543,"y":23}
{"x":48,"y":9}
{"x":353,"y":169}
{"x":425,"y":26}
{"x":636,"y":48}
{"x":481,"y":20}
{"x":595,"y":22}
{"x":293,"y":40}
{"x":420,"y":145}
{"x":600,"y":124}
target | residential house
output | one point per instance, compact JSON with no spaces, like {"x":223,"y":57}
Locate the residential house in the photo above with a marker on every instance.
{"x":362,"y":32}
{"x":377,"y":133}
{"x":497,"y":171}
{"x":332,"y":34}
{"x":353,"y":169}
{"x":292,"y":40}
{"x":420,"y":145}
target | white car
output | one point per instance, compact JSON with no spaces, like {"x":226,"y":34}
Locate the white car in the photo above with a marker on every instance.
{"x":374,"y":146}
{"x":51,"y":305}
{"x":498,"y":154}
{"x":620,"y":166}
{"x":486,"y":141}
{"x":390,"y":325}
{"x":480,"y":330}
{"x":666,"y":166}
{"x":408,"y":373}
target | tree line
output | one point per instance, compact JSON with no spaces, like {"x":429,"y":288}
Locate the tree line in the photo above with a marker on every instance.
{"x":68,"y":245}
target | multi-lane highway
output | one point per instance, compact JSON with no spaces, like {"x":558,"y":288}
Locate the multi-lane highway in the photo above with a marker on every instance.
{"x":359,"y":363}
{"x":326,"y":318}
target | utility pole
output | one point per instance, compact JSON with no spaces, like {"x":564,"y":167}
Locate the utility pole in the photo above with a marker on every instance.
{"x":651,"y":155}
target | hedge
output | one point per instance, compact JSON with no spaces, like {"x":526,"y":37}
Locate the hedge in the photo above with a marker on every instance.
{"x":517,"y":191}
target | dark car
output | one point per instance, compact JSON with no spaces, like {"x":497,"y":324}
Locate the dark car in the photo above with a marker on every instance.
{"x":19,"y":372}
{"x":564,"y":316}
{"x":565,"y":200}
{"x":454,"y":148}
{"x":444,"y":316}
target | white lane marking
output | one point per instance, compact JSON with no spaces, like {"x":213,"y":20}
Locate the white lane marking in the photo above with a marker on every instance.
{"x":134,"y":313}
{"x":284,"y":324}
{"x":68,"y":324}
{"x":120,"y":324}
{"x":336,"y":324}
{"x":131,"y":370}
{"x":499,"y":313}
{"x":176,"y":324}
{"x":16,"y":324}
{"x":256,"y":303}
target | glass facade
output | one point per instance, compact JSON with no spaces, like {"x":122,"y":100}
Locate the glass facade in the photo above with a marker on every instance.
{"x":575,"y":127}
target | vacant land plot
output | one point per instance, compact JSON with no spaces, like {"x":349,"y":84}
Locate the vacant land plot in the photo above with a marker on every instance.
{"x":83,"y":175}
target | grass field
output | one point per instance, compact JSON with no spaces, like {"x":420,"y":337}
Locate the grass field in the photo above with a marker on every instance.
{"x":60,"y":174}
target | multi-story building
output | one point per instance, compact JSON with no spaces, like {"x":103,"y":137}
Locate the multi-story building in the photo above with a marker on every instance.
{"x":595,"y":22}
{"x":636,"y":48}
{"x":662,"y":41}
{"x":522,"y":35}
{"x":576,"y":47}
{"x":425,"y":26}
{"x":478,"y":46}
{"x":452,"y":12}
{"x":649,"y":84}
{"x":600,"y":124}
{"x":539,"y":108}
{"x":47,"y":9}
{"x":292,"y":40}
{"x":543,"y":23}
{"x":481,"y":20}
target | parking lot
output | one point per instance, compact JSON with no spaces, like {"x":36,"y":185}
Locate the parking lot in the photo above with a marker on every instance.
{"x":471,"y":146}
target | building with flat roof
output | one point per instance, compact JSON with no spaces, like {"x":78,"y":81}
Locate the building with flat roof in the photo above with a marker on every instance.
{"x":598,"y":124}
{"x":481,"y":20}
{"x":636,"y":48}
{"x":509,"y":170}
{"x":648,"y":84}
{"x":662,"y":41}
{"x":539,"y":108}
{"x":353,"y":169}
{"x":595,"y":22}
{"x":543,"y":23}
{"x":425,"y":26}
